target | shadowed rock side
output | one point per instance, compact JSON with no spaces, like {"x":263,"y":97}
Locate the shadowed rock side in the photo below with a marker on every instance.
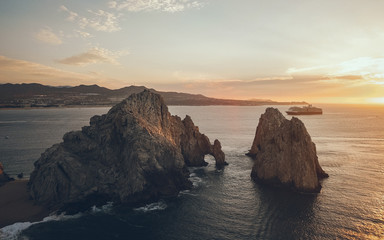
{"x":285,"y":154}
{"x":194,"y":146}
{"x":135,"y":152}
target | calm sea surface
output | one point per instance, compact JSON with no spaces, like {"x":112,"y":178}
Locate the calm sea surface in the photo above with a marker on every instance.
{"x":224,"y":204}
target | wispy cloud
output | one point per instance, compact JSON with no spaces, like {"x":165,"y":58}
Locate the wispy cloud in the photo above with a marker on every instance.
{"x":82,"y":34}
{"x":20,"y":71}
{"x":48,"y":36}
{"x":97,"y":20}
{"x":94,"y":55}
{"x":72,"y":16}
{"x":295,"y":88}
{"x":27,"y":72}
{"x":102,"y":21}
{"x":360,"y":66}
{"x":363,"y":70}
{"x":155,"y":5}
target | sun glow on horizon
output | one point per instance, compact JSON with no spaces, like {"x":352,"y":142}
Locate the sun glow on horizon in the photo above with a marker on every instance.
{"x":379,"y":100}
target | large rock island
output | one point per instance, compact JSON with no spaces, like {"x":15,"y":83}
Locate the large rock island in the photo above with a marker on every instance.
{"x":285,"y":154}
{"x":136,"y":152}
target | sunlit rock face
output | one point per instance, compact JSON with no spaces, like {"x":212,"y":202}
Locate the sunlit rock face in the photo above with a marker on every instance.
{"x":136,"y":152}
{"x":285,"y":154}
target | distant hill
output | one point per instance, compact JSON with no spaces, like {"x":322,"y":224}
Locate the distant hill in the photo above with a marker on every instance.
{"x":38,"y":95}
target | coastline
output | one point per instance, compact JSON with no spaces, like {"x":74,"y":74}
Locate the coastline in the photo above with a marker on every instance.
{"x":60,"y":107}
{"x":189,"y":105}
{"x":16,"y":205}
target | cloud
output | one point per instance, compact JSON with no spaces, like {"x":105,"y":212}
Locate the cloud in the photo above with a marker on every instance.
{"x":362,"y":65}
{"x":97,"y":20}
{"x":279,"y":88}
{"x":359,"y":71}
{"x":20,"y":71}
{"x":48,"y":36}
{"x":155,"y":5}
{"x":356,"y":66}
{"x":17,"y":71}
{"x":310,"y":88}
{"x":102,"y":21}
{"x":82,"y":34}
{"x":72,"y":16}
{"x":93,"y":55}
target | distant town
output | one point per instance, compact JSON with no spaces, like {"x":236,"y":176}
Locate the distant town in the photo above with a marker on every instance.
{"x":35,"y":95}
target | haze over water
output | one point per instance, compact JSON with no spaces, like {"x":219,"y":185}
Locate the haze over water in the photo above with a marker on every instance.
{"x":226,"y":204}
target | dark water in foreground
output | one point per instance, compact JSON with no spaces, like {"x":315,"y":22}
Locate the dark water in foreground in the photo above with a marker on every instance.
{"x":224,"y":204}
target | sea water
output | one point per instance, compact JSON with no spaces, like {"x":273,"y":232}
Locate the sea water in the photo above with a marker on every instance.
{"x":223,"y":203}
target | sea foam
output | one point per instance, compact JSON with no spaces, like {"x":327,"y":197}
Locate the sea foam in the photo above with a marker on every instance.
{"x":107,"y":208}
{"x":12,"y":232}
{"x":157,"y":206}
{"x":196,"y":181}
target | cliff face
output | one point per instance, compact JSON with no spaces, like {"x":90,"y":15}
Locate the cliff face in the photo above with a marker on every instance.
{"x":135,"y":152}
{"x":285,"y":154}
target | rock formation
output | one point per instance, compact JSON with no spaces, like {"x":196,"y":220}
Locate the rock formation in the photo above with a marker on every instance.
{"x":135,"y":152}
{"x":4,"y":178}
{"x":285,"y":154}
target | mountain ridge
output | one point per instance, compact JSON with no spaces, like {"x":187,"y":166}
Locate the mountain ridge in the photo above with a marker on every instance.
{"x":39,"y":95}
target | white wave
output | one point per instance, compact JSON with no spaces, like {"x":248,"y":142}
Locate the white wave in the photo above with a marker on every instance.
{"x":186,"y":192}
{"x":107,"y":208}
{"x":196,"y":181}
{"x":192,"y":169}
{"x":13,"y":231}
{"x":157,"y":206}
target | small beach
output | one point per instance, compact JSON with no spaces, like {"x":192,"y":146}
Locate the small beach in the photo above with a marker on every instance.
{"x":16,"y":205}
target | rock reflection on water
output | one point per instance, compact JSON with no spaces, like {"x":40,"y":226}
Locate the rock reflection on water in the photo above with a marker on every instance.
{"x":284,"y":213}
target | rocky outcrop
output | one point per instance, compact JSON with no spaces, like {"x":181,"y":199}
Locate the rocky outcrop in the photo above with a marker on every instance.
{"x":4,"y":178}
{"x":285,"y":154}
{"x":218,"y":153}
{"x":194,"y":146}
{"x":135,"y":152}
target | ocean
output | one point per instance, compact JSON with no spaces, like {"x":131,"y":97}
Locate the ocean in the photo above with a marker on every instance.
{"x":224,"y":203}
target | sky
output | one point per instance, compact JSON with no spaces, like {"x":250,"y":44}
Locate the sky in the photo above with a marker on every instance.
{"x":328,"y":51}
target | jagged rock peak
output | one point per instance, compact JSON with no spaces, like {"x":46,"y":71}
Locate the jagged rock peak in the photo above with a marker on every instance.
{"x":149,"y":106}
{"x":285,"y":154}
{"x":136,"y":152}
